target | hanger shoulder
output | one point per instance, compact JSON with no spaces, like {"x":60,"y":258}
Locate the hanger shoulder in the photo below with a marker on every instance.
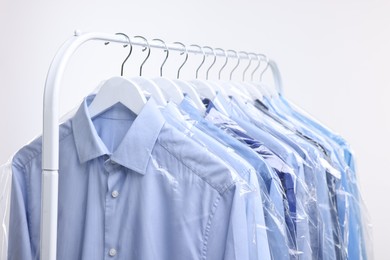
{"x":151,"y":87}
{"x":170,"y":89}
{"x":191,"y":92}
{"x":254,"y":92}
{"x":204,"y":89}
{"x":117,"y":90}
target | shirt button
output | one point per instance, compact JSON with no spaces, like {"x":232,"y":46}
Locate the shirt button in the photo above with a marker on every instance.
{"x":115,"y":194}
{"x":112,"y":252}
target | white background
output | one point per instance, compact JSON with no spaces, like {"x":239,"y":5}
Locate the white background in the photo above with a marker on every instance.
{"x":334,"y":57}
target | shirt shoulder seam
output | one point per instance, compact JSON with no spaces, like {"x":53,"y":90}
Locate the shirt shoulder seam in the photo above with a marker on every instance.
{"x":219,"y":190}
{"x":37,"y":153}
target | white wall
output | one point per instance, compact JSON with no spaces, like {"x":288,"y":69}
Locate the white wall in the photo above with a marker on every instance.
{"x":334,"y":57}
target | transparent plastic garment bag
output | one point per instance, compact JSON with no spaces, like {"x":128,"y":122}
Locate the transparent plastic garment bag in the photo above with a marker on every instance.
{"x":5,"y":196}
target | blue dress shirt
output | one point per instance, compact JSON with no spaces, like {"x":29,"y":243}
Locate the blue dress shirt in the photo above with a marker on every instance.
{"x":131,"y":187}
{"x":316,"y":177}
{"x":257,"y":230}
{"x":272,"y":193}
{"x":350,"y":210}
{"x":340,"y":196}
{"x":307,"y":232}
{"x":286,"y":176}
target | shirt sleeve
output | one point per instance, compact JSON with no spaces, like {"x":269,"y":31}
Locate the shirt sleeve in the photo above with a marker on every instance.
{"x":231,"y":233}
{"x":227,"y":232}
{"x":19,"y":246}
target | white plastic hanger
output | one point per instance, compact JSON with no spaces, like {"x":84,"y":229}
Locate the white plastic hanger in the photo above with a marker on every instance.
{"x":118,"y":90}
{"x":267,"y":90}
{"x":187,"y":87}
{"x":147,"y":84}
{"x":203,"y":87}
{"x":152,"y":88}
{"x":170,"y":89}
{"x":167,"y":87}
{"x":217,"y":87}
{"x":230,"y":87}
{"x":253,"y":92}
{"x":255,"y":85}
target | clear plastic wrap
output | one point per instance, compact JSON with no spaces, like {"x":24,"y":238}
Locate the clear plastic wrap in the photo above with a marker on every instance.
{"x":353,"y":216}
{"x":296,"y":218}
{"x":278,"y":237}
{"x":321,"y":179}
{"x":332,"y":207}
{"x":5,"y":197}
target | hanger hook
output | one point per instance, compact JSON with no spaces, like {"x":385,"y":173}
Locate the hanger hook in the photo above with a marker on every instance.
{"x":147,"y":56}
{"x":247,"y":67}
{"x":212,"y":64}
{"x":266,"y":67}
{"x":204,"y":58}
{"x":185,"y":60}
{"x":258,"y":64}
{"x":166,"y":57}
{"x":238,"y":63}
{"x":226,"y":61}
{"x":128,"y":55}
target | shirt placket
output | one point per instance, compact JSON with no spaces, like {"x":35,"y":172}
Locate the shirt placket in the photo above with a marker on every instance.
{"x":111,"y":243}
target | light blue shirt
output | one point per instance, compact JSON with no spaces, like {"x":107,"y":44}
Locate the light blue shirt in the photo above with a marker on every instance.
{"x":315,"y":177}
{"x":271,"y":188}
{"x":307,"y":232}
{"x":257,"y":230}
{"x":350,"y":210}
{"x":131,"y":187}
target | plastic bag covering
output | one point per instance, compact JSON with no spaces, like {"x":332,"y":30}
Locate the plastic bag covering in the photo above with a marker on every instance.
{"x":325,"y":179}
{"x":355,"y":224}
{"x":325,"y":204}
{"x":272,"y":209}
{"x":5,"y":195}
{"x":297,"y":198}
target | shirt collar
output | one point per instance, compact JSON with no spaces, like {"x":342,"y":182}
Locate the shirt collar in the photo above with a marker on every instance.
{"x":136,"y":147}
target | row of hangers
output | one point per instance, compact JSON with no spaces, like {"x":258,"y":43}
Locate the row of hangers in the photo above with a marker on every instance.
{"x":132,"y":92}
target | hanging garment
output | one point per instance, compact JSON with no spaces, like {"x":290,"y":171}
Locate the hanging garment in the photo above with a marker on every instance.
{"x":132,"y":187}
{"x":354,"y":230}
{"x":315,"y":178}
{"x":279,"y":240}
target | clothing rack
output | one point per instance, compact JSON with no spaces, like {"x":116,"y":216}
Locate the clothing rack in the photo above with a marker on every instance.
{"x":50,"y":143}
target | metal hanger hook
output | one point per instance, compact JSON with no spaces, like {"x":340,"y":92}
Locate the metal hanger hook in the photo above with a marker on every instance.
{"x":204,"y":58}
{"x":247,"y":67}
{"x":185,"y":60}
{"x":258,"y":64}
{"x":166,"y":57}
{"x":238,"y":63}
{"x":212,"y":64}
{"x":226,"y":61}
{"x":130,"y":51}
{"x":147,"y":56}
{"x":266,"y":67}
